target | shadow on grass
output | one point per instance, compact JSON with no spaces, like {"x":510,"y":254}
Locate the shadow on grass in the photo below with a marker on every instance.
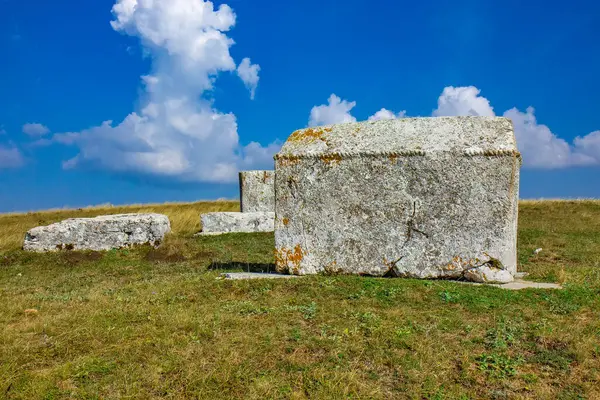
{"x":246,"y":267}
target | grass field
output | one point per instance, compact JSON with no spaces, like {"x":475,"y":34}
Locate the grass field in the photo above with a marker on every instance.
{"x":159,"y":323}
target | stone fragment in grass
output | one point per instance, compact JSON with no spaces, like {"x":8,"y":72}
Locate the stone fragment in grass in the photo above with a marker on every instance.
{"x":216,"y":223}
{"x":408,"y":197}
{"x":517,"y":284}
{"x":254,"y":275}
{"x":257,"y":191}
{"x":488,"y":274}
{"x":105,"y":232}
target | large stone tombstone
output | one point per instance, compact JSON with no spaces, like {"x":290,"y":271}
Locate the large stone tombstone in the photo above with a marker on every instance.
{"x":413,"y":197}
{"x":257,"y":191}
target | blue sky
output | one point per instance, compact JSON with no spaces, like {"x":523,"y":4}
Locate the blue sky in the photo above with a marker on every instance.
{"x":182,"y":133}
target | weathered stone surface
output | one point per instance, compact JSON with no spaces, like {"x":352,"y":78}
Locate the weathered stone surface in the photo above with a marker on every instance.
{"x":518,"y":284}
{"x":216,"y":223}
{"x":257,"y":191}
{"x":413,"y":197}
{"x":487,"y":274}
{"x":100,"y":233}
{"x":254,"y":275}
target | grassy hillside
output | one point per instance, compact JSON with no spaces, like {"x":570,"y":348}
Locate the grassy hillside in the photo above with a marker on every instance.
{"x":184,"y":217}
{"x":159,"y":323}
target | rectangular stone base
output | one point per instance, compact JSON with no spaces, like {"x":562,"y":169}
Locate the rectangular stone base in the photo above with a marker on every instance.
{"x":217,"y":223}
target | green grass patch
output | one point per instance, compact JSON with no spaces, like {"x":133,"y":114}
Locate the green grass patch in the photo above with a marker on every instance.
{"x":149,"y":323}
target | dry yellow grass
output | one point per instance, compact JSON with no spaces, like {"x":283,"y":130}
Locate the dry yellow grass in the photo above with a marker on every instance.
{"x":184,"y":217}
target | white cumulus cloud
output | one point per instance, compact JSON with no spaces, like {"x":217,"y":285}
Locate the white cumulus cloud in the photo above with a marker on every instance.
{"x":248,"y":73}
{"x":336,"y":111}
{"x":539,"y":146}
{"x":587,"y":148}
{"x":462,"y":101}
{"x":10,"y":157}
{"x":177,"y":133}
{"x":386,"y":114}
{"x":35,"y":129}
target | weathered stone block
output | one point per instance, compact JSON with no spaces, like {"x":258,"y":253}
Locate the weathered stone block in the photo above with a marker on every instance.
{"x":100,"y":233}
{"x":413,"y":197}
{"x":216,"y":223}
{"x":257,"y":191}
{"x":255,"y":275}
{"x":488,"y":274}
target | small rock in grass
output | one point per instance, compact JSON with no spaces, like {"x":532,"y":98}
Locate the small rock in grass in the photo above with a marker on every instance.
{"x":487,"y":274}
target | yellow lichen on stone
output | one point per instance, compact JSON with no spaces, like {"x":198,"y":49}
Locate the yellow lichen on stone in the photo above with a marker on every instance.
{"x":333,"y":158}
{"x":288,"y":259}
{"x":332,"y":268}
{"x":307,"y":135}
{"x":287,"y":161}
{"x":459,"y":264}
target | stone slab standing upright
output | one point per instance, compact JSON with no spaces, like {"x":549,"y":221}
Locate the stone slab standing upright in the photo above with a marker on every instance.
{"x":257,"y":192}
{"x":412,"y":197}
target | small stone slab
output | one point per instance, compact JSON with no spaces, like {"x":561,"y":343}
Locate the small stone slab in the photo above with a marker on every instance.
{"x":255,"y":275}
{"x":487,"y":274}
{"x":217,"y":223}
{"x":519,"y":284}
{"x":257,"y":191}
{"x":105,"y":232}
